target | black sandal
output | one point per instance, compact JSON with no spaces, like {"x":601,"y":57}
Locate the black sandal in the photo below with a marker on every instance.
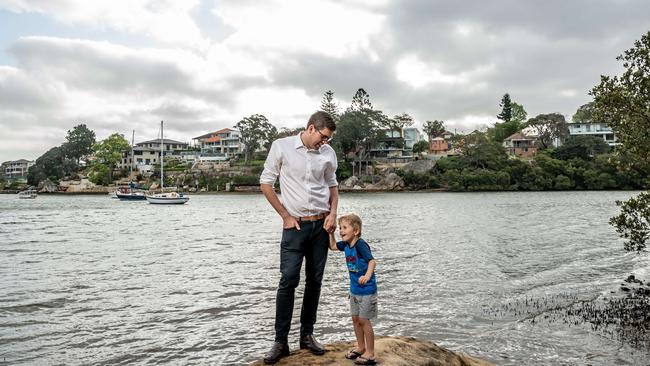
{"x":364,"y":361}
{"x":352,"y":354}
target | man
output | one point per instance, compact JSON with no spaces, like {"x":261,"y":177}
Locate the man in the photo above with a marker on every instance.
{"x":306,"y":165}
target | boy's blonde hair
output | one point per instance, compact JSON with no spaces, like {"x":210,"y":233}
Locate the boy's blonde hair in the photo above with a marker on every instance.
{"x":353,"y":219}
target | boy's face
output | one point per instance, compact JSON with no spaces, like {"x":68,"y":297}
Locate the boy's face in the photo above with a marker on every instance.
{"x":347,"y":231}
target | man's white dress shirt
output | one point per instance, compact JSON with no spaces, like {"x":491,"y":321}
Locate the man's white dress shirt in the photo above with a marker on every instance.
{"x":305,"y":175}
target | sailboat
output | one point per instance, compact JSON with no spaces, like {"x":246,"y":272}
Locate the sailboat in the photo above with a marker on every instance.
{"x":167,"y":198}
{"x":130,"y":192}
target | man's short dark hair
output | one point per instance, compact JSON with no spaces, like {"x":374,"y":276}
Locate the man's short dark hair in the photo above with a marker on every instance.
{"x":322,"y":120}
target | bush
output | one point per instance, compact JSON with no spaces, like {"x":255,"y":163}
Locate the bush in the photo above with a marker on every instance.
{"x":633,"y":223}
{"x":415,"y":180}
{"x":562,"y":182}
{"x":344,"y":170}
{"x":99,"y":174}
{"x":246,"y":180}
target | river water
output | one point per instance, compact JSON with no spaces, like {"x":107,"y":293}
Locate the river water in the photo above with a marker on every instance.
{"x":92,"y":280}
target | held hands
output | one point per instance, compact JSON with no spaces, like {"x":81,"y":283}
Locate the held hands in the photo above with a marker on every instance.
{"x":330,"y":223}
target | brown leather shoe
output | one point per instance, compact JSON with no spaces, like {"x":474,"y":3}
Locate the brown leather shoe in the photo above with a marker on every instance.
{"x":309,"y":342}
{"x":278,"y":351}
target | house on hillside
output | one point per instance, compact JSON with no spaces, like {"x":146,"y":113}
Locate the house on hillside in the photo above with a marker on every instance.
{"x":412,"y":136}
{"x":442,"y":145}
{"x":225,"y":142}
{"x":390,"y":147}
{"x":521,"y":145}
{"x":601,"y":130}
{"x":16,"y":169}
{"x":146,"y":154}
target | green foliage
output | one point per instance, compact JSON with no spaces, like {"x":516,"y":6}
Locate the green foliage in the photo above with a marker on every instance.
{"x":360,"y":102}
{"x":506,"y":108}
{"x":358,"y":130}
{"x":246,"y":180}
{"x":79,"y":142}
{"x":344,"y":170}
{"x":486,"y":155}
{"x":328,"y":105}
{"x":562,"y":182}
{"x":582,"y":147}
{"x":584,"y":114}
{"x":398,"y":122}
{"x":549,"y":127}
{"x":99,"y":174}
{"x":109,"y":153}
{"x":633,"y":222}
{"x":434,"y":128}
{"x":623,"y":101}
{"x":420,"y":146}
{"x":415,"y":180}
{"x":255,"y":131}
{"x":53,"y":165}
{"x":519,"y":114}
{"x":501,"y":131}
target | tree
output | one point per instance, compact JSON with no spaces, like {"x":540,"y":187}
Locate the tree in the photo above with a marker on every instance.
{"x":328,"y":105}
{"x":506,"y":108}
{"x":109,"y":153}
{"x":286,"y":131}
{"x":519,"y":114}
{"x":358,"y":130}
{"x":255,"y":131}
{"x":633,"y":223}
{"x":434,"y":128}
{"x":79,"y":142}
{"x":360,"y":102}
{"x":420,"y":146}
{"x":53,"y":165}
{"x":584,"y":114}
{"x":624,"y":104}
{"x":549,"y":127}
{"x":582,"y":147}
{"x":503,"y":130}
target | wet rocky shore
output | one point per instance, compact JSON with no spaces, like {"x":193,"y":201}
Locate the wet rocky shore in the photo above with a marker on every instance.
{"x":623,"y":315}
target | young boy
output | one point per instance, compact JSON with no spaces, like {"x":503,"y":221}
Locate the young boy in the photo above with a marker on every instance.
{"x":363,"y":287}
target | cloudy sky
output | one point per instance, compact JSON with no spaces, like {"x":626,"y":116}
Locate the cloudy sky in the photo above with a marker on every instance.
{"x":201,"y":65}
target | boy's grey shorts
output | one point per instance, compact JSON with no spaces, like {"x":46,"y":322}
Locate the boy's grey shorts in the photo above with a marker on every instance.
{"x":363,"y":306}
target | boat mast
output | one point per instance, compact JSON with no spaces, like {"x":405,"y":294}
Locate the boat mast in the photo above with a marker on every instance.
{"x":162,"y":177}
{"x":132,"y":156}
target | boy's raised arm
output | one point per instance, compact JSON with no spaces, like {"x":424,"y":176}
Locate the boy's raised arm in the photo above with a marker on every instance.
{"x":333,"y":242}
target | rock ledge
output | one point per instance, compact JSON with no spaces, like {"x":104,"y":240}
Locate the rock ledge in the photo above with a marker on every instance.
{"x":389,"y":351}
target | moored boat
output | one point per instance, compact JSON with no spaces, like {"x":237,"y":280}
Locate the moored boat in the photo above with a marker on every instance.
{"x":165,"y":197}
{"x":130,"y":193}
{"x":28,"y":194}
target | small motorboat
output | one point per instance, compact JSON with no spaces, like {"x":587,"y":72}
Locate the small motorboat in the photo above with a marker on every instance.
{"x":130,"y":193}
{"x":28,"y":194}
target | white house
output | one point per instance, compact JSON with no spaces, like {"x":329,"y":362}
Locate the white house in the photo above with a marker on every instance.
{"x":594,"y":129}
{"x":225,"y":142}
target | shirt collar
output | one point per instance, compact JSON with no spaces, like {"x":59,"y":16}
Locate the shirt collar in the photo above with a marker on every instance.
{"x":297,"y":144}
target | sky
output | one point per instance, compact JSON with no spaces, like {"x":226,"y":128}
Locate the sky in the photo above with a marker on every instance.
{"x":203,"y":65}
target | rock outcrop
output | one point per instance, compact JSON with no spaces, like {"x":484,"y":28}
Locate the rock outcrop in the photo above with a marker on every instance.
{"x":389,"y":182}
{"x":420,"y":166}
{"x":389,"y":351}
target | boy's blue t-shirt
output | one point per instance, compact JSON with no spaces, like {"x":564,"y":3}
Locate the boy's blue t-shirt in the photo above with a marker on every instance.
{"x":357,"y":259}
